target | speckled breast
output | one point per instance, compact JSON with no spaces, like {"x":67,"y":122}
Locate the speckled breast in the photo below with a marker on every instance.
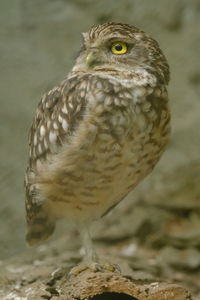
{"x":117,"y":144}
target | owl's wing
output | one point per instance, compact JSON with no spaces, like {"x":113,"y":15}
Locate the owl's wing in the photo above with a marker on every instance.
{"x":58,"y":113}
{"x":57,"y":116}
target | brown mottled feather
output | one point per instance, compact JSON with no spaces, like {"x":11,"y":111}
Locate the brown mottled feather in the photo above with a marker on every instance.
{"x":58,"y":114}
{"x":99,"y":133}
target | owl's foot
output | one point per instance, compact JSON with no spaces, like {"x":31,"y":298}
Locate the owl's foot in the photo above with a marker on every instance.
{"x":94,"y":267}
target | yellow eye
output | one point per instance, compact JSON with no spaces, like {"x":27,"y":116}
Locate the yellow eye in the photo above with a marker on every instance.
{"x":119,"y":48}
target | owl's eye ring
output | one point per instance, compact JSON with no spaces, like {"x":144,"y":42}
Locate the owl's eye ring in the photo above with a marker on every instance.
{"x":119,"y":48}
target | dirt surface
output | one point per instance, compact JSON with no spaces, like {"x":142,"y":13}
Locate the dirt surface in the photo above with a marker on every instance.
{"x":157,"y":229}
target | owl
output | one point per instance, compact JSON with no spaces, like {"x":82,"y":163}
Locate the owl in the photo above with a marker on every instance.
{"x":98,"y":133}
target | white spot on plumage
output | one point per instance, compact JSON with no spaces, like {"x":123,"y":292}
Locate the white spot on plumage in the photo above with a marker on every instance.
{"x":138,"y":94}
{"x":55,"y":126}
{"x":42,"y":130}
{"x":127,"y":95}
{"x":60,"y":119}
{"x":43,"y":99}
{"x":47,"y":104}
{"x":35,"y":139}
{"x":122,"y":95}
{"x":82,"y":93}
{"x":99,"y":85}
{"x":71,"y":105}
{"x":117,"y":101}
{"x":64,"y":109}
{"x":78,"y":108}
{"x":100,"y":96}
{"x":52,"y":137}
{"x":64,"y":125}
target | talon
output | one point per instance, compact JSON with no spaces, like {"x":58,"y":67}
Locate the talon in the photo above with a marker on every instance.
{"x":117,"y":268}
{"x":94,"y":267}
{"x":99,"y":268}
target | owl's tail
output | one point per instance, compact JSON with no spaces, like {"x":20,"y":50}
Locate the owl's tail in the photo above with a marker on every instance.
{"x":40,"y":228}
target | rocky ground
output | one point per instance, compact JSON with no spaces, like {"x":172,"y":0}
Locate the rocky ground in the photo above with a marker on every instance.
{"x":39,"y":40}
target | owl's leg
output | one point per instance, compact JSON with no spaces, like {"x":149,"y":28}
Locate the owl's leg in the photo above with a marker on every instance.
{"x":91,"y":260}
{"x":90,"y":253}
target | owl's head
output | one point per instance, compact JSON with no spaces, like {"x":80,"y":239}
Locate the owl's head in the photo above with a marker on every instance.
{"x":122,"y":48}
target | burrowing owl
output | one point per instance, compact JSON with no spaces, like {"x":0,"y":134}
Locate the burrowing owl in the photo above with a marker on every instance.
{"x":99,"y":133}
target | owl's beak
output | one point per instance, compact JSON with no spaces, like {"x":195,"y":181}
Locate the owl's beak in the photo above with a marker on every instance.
{"x":92,"y":59}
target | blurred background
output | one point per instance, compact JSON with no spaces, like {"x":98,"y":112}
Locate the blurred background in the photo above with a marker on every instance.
{"x":38,"y":43}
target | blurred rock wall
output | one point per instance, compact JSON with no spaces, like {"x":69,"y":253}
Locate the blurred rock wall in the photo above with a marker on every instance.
{"x":38,"y":43}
